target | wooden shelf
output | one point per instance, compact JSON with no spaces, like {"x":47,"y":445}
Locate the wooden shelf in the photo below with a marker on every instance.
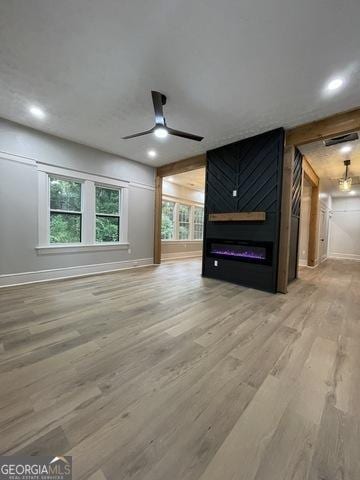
{"x":238,"y":217}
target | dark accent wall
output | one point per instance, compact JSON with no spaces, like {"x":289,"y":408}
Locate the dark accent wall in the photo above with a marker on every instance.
{"x":253,"y":167}
{"x":295,"y":216}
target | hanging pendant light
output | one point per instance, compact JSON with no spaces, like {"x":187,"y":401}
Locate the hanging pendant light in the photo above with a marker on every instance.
{"x":345,"y":183}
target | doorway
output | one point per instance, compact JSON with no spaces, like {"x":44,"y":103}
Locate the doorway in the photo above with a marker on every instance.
{"x":182,"y":215}
{"x":324,"y":228}
{"x":182,"y":166}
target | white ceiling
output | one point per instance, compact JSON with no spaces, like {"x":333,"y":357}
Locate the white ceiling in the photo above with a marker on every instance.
{"x":328,"y":162}
{"x":229,"y":68}
{"x":195,"y":179}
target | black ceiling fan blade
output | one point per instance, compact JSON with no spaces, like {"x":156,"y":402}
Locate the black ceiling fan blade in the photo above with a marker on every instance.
{"x":140,"y":134}
{"x":158,"y":100}
{"x":179,"y":133}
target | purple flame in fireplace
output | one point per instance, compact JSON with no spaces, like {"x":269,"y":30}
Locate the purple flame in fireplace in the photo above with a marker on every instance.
{"x":246,"y":253}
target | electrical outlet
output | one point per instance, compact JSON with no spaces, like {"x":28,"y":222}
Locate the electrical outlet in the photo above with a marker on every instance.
{"x":129,"y":250}
{"x":215,"y":263}
{"x":234,"y":193}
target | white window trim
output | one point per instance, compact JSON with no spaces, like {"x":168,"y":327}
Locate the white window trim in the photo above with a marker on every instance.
{"x":88,"y":212}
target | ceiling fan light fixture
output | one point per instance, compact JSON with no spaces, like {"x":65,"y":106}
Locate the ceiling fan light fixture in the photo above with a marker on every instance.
{"x":161,"y":132}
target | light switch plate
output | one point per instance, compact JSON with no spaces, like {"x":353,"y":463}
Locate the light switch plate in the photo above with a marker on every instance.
{"x":215,"y":263}
{"x":234,"y":193}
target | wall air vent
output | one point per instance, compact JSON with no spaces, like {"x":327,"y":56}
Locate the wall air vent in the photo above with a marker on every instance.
{"x":350,"y":137}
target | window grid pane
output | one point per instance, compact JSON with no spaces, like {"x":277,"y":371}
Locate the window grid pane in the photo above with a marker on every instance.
{"x":65,"y":227}
{"x":198,"y":223}
{"x":167,"y":220}
{"x":184,"y":222}
{"x":107,"y":201}
{"x":65,"y":195}
{"x":107,"y":228}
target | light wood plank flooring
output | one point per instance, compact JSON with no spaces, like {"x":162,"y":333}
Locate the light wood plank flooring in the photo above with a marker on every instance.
{"x":158,"y":374}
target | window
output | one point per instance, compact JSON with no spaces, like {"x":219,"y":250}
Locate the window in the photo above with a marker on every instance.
{"x":167,"y":221}
{"x":181,"y":222}
{"x":107,"y":214}
{"x":184,"y":222}
{"x":80,"y":212}
{"x":65,"y":211}
{"x":198,"y":219}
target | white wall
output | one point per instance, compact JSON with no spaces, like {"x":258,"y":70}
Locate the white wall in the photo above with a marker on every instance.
{"x":19,"y":260}
{"x":344,"y":241}
{"x":171,"y":249}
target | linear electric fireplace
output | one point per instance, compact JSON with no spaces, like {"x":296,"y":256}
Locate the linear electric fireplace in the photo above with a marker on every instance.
{"x":240,"y":250}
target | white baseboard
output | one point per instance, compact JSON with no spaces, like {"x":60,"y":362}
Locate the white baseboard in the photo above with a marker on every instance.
{"x":302,"y":263}
{"x":178,"y":255}
{"x":345,"y":256}
{"x":12,"y":279}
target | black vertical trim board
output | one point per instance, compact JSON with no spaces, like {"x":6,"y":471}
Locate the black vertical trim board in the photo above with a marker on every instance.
{"x":253,"y":167}
{"x":295,"y":216}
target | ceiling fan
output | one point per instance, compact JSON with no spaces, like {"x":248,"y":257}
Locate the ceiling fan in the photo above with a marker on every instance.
{"x":160,"y":129}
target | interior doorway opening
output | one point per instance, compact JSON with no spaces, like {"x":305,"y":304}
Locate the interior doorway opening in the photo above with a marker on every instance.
{"x":179,"y":209}
{"x":330,"y":218}
{"x":182,"y":215}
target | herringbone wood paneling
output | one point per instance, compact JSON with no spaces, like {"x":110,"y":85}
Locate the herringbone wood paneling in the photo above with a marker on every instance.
{"x":253,"y":168}
{"x":295,"y":215}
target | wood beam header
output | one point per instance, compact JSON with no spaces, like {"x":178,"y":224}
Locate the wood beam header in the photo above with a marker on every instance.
{"x":338,"y":124}
{"x":181,"y":166}
{"x":310,"y":173}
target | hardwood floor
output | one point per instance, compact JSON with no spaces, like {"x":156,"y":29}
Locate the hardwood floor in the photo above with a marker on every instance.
{"x":158,"y":374}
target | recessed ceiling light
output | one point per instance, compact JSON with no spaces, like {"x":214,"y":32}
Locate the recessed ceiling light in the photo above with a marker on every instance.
{"x":161,"y":132}
{"x":151,"y":153}
{"x":36,"y":111}
{"x":345,"y":149}
{"x":335,"y":84}
{"x":352,"y":192}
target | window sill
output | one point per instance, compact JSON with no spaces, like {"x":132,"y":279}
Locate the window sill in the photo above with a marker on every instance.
{"x":79,"y":248}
